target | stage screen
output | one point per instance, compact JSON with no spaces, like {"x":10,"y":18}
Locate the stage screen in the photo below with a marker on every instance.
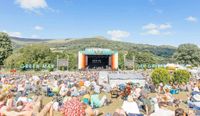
{"x":96,"y":61}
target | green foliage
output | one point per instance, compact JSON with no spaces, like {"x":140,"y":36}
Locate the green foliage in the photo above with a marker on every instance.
{"x":188,"y":54}
{"x":5,"y":47}
{"x":143,"y":53}
{"x":121,"y":60}
{"x":160,"y":75}
{"x":130,"y":55}
{"x":145,"y":58}
{"x":73,"y":61}
{"x":163,"y":51}
{"x":181,"y":76}
{"x":75,"y":45}
{"x":14,"y":60}
{"x":31,"y":54}
{"x":37,"y":53}
{"x":63,"y":68}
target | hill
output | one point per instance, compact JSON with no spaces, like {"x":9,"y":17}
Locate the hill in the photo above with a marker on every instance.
{"x":76,"y":45}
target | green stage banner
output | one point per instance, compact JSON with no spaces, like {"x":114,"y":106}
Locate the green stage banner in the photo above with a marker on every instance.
{"x":37,"y":66}
{"x":150,"y":66}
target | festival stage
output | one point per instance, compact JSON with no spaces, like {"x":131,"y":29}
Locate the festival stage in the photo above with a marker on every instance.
{"x":97,"y":59}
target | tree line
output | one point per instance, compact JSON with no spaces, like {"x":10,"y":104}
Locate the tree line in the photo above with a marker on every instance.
{"x":39,"y":54}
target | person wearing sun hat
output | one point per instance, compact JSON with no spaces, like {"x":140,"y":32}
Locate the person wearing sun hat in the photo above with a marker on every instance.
{"x":196,"y":98}
{"x":130,"y":106}
{"x":194,"y":102}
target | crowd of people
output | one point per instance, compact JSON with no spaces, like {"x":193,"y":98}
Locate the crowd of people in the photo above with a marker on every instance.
{"x":80,"y":94}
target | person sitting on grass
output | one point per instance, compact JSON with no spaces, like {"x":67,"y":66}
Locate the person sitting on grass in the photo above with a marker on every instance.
{"x":74,"y":91}
{"x":49,"y":92}
{"x":158,"y":111}
{"x":183,"y":87}
{"x":115,"y":92}
{"x":194,"y":102}
{"x":119,"y":112}
{"x":180,"y":112}
{"x":33,"y":108}
{"x":126,"y":92}
{"x":106,"y":87}
{"x":160,"y":88}
{"x":90,"y":112}
{"x":147,"y":105}
{"x":67,"y":96}
{"x":195,"y":89}
{"x":96,"y":102}
{"x":130,"y":106}
{"x":166,"y":99}
{"x":86,"y":98}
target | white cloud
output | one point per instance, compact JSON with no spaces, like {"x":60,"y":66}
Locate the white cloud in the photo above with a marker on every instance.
{"x":165,"y":26}
{"x":191,"y":19}
{"x":150,"y":26}
{"x":118,"y":34}
{"x":14,"y":34}
{"x":32,"y":4}
{"x":156,"y":29}
{"x":39,"y":28}
{"x":153,"y":32}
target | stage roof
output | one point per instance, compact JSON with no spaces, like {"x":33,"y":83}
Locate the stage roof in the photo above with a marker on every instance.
{"x":98,"y":51}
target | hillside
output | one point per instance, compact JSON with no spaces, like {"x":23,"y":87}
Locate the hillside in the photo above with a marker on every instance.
{"x":76,"y":45}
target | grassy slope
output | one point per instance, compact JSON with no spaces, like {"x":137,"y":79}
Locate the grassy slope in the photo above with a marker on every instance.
{"x":76,"y":45}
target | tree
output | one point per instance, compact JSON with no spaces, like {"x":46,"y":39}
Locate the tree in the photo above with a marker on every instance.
{"x":181,"y":76}
{"x":73,"y":59}
{"x":31,"y":54}
{"x":121,"y":60}
{"x":5,"y":47}
{"x":37,"y":53}
{"x":188,"y":54}
{"x":14,"y":60}
{"x":145,"y":58}
{"x":161,"y":75}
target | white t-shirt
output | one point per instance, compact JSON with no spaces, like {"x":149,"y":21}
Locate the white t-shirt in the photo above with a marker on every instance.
{"x":137,"y":92}
{"x":87,"y":83}
{"x":56,"y":106}
{"x":63,"y":89}
{"x":130,"y":107}
{"x":45,"y":83}
{"x":196,"y":89}
{"x":97,"y":89}
{"x":23,"y":99}
{"x":20,"y":87}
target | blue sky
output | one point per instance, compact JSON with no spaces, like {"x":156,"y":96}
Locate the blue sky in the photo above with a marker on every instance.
{"x":157,"y":22}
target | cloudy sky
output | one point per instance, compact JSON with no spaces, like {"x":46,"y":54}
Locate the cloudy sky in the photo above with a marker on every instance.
{"x":156,"y":22}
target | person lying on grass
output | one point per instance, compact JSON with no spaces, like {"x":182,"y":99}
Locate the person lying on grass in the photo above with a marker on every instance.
{"x":25,"y":109}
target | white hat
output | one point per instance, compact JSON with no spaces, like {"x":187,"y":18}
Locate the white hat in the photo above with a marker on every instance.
{"x":196,"y":97}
